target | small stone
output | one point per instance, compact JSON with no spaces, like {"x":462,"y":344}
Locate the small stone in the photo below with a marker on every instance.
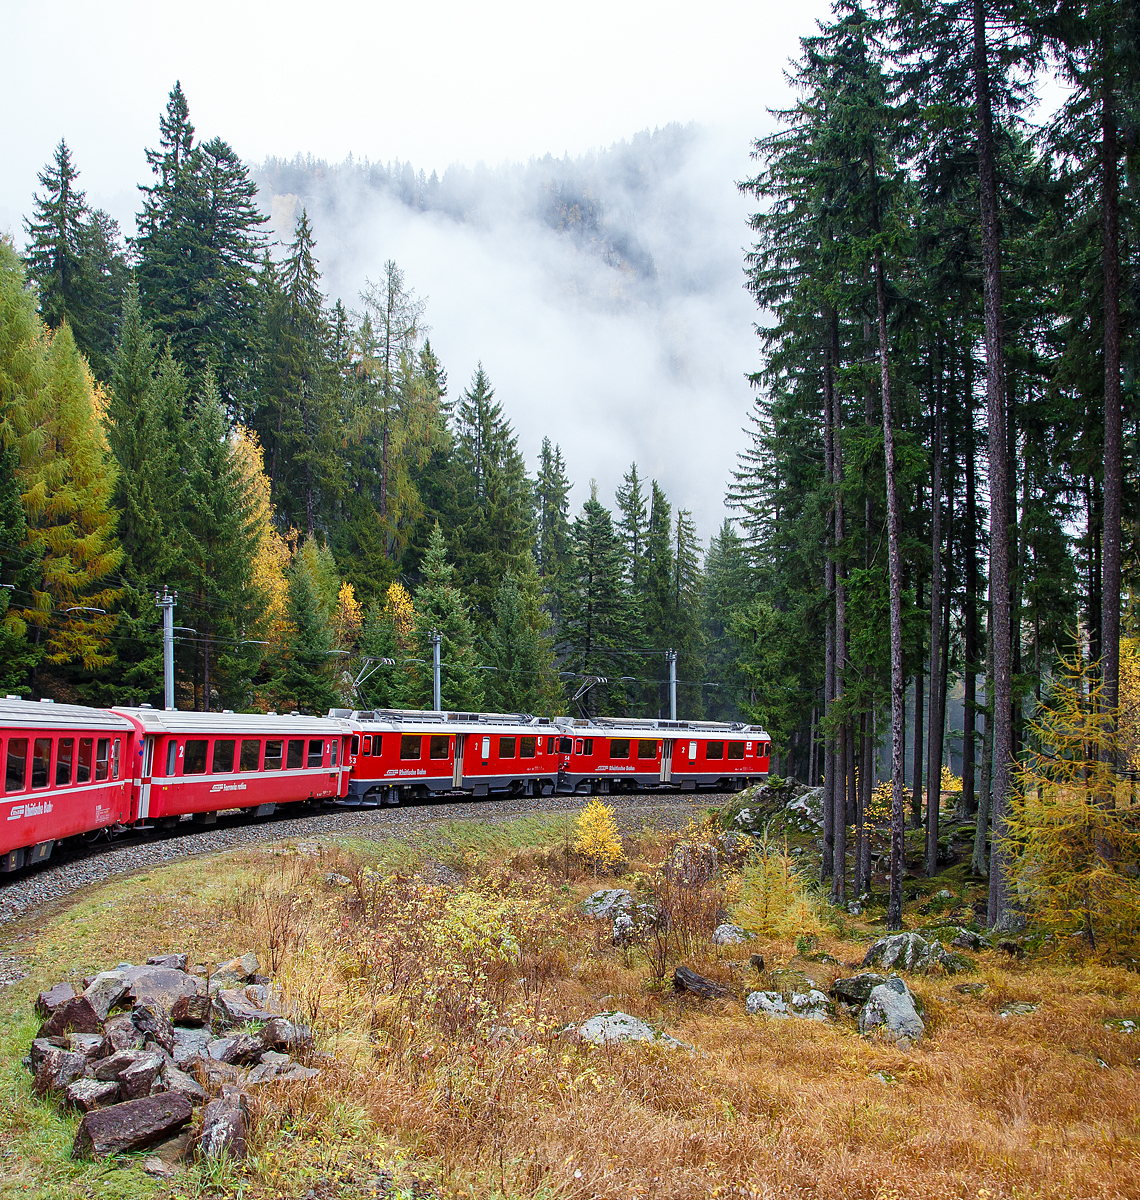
{"x":120,"y":1034}
{"x":756,"y":962}
{"x":105,"y":991}
{"x":176,"y":962}
{"x":810,"y":1006}
{"x":57,"y":1069}
{"x":223,"y":1129}
{"x":154,"y":1025}
{"x":186,"y":1085}
{"x":159,"y":986}
{"x":75,"y":1014}
{"x":235,"y":1009}
{"x":158,"y":1169}
{"x":967,"y":939}
{"x":854,"y":908}
{"x":191,"y":1010}
{"x":113,"y":1067}
{"x":1017,"y":1008}
{"x":38,"y":1049}
{"x":768,"y":1004}
{"x":262,"y":1073}
{"x":239,"y":1049}
{"x":904,"y":952}
{"x":282,"y":1034}
{"x":190,"y":1045}
{"x":87,"y":1044}
{"x":615,"y":1027}
{"x":856,"y":989}
{"x":89,"y":1094}
{"x":136,"y":1079}
{"x":729,"y":935}
{"x":130,"y":1126}
{"x":605,"y":903}
{"x":47,"y":1002}
{"x":296,"y":1074}
{"x":236,"y":971}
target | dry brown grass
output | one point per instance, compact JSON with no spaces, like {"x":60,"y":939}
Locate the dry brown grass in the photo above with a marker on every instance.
{"x":451,"y":1074}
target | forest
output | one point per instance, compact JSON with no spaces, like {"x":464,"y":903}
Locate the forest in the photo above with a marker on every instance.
{"x":937,"y":483}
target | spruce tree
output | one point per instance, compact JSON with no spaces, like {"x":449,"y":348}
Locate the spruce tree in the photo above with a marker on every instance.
{"x":305,"y":681}
{"x":494,"y":496}
{"x":519,"y":649}
{"x":440,"y":607}
{"x":633,"y":526}
{"x":552,"y":521}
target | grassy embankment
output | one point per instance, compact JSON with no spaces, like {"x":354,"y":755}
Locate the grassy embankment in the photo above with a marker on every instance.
{"x":441,"y":1010}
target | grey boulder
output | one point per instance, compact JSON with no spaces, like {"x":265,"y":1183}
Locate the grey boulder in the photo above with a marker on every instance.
{"x":57,"y":1069}
{"x":615,"y":1027}
{"x":283,"y":1034}
{"x":728,"y":935}
{"x":890,"y":1013}
{"x":767,"y":1004}
{"x":224,"y":1128}
{"x":177,"y":962}
{"x":606,"y":903}
{"x":88,"y":1094}
{"x":159,"y":986}
{"x":47,"y":1002}
{"x":904,"y":952}
{"x":105,"y":991}
{"x":856,"y":989}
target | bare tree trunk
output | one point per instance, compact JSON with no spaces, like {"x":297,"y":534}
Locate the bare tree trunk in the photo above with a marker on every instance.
{"x":919,"y":718}
{"x":843,"y":758}
{"x":898,"y":682}
{"x":934,"y":730}
{"x":829,"y":686}
{"x":970,"y":632}
{"x":979,"y":864}
{"x":1002,"y":678}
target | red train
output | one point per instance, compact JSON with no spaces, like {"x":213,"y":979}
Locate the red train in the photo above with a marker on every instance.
{"x":71,"y":771}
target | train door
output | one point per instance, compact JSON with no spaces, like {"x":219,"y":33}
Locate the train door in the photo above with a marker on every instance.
{"x":457,"y":777}
{"x":144,"y":786}
{"x":666,"y":760}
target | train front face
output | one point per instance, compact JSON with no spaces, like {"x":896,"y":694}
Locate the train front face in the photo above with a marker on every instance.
{"x":68,"y":770}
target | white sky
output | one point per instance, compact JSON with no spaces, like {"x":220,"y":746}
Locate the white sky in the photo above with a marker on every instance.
{"x":433,"y":82}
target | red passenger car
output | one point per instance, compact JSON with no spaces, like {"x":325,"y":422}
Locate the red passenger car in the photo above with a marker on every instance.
{"x":66,"y":772}
{"x":203,"y":763}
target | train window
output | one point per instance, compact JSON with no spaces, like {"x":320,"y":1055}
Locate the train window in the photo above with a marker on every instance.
{"x":619,"y":747}
{"x":410,"y":746}
{"x":333,"y":745}
{"x":63,"y":760}
{"x":83,"y":770}
{"x":486,"y":748}
{"x":578,"y":746}
{"x":171,"y":755}
{"x":549,"y":745}
{"x":17,"y":770}
{"x":735,"y":749}
{"x":589,"y":746}
{"x":41,"y":762}
{"x":250,"y":754}
{"x":368,"y":744}
{"x":102,"y":758}
{"x":273,"y":751}
{"x":506,"y":747}
{"x":355,"y":747}
{"x":115,"y":748}
{"x":526,"y":747}
{"x":566,"y":745}
{"x":316,"y":752}
{"x":296,"y":755}
{"x":693,"y":751}
{"x":223,"y":756}
{"x":647,"y":748}
{"x":194,"y":757}
{"x":439,"y":746}
{"x":764,"y":750}
{"x":714,"y":750}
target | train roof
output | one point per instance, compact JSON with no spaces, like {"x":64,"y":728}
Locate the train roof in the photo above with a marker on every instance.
{"x":159,"y":720}
{"x":395,"y":718}
{"x":47,"y":714}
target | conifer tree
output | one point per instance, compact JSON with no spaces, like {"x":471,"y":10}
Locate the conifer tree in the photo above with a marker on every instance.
{"x":519,"y":648}
{"x":596,"y":616}
{"x":494,"y":497}
{"x":633,"y":526}
{"x":198,"y":247}
{"x":306,"y":678}
{"x":18,"y":656}
{"x":552,"y":508}
{"x":441,"y":607}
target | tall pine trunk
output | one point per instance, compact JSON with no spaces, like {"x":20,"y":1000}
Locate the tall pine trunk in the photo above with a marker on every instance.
{"x":894,"y":561}
{"x":844,"y":750}
{"x":934,"y":729}
{"x":1002,"y":677}
{"x":919,"y":726}
{"x":970,"y":631}
{"x":829,"y":673}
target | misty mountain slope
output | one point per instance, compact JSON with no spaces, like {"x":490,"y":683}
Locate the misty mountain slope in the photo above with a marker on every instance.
{"x":603,"y":293}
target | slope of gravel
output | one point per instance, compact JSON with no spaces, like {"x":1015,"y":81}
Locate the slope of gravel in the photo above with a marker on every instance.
{"x":33,"y":889}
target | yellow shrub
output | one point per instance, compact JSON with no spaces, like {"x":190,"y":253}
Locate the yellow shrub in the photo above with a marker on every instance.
{"x":597,"y":837}
{"x":950,"y":781}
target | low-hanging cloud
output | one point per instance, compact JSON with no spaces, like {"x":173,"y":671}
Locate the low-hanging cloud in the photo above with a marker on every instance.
{"x":603,"y":294}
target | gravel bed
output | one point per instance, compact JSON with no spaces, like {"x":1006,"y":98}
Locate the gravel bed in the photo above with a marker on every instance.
{"x":30,"y":891}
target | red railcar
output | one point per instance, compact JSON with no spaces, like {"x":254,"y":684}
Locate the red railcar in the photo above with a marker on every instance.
{"x":204,"y":763}
{"x":405,"y":754}
{"x":67,"y":771}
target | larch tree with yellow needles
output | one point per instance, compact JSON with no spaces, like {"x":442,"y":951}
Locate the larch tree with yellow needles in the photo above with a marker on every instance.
{"x":598,"y":840}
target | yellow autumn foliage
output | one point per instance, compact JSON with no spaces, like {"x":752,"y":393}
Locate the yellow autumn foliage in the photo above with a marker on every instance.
{"x":774,"y":898}
{"x":596,"y":836}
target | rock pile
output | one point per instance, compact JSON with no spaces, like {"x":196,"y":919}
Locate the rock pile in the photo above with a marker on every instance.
{"x":141,"y":1046}
{"x":912,"y":952}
